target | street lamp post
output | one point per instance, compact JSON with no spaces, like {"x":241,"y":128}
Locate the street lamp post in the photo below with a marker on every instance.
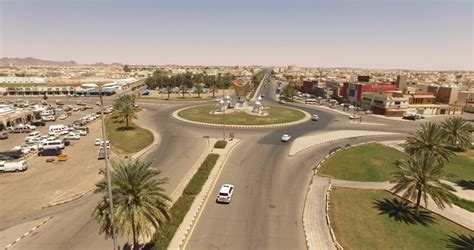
{"x":107,"y":171}
{"x":224,"y":108}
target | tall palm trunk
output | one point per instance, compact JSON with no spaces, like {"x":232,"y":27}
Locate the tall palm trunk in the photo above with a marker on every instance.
{"x":418,"y":202}
{"x":126,"y":121}
{"x":168,"y":95}
{"x":134,"y":235}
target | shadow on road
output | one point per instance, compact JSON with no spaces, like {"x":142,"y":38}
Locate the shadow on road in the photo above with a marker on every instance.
{"x":402,"y":211}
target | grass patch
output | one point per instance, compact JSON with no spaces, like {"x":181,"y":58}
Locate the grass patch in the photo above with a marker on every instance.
{"x":460,"y":167}
{"x":370,"y":162}
{"x":220,"y":144}
{"x":162,"y":238}
{"x":126,"y":140}
{"x":462,"y":203}
{"x":276,"y":115}
{"x":371,"y":219}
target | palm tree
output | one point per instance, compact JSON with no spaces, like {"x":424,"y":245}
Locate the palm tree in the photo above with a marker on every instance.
{"x":457,"y":132}
{"x":429,"y":138}
{"x":168,"y":90}
{"x":421,"y":177}
{"x":139,"y":200}
{"x":125,"y":108}
{"x":199,"y":89}
{"x":213,"y":90}
{"x":183,"y":88}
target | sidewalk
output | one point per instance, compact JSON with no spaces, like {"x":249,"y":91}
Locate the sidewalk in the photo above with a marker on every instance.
{"x":314,"y":215}
{"x":454,"y":213}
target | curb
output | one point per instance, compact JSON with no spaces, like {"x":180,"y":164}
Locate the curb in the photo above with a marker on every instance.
{"x":332,"y":140}
{"x":156,"y":140}
{"x":29,"y":232}
{"x":278,"y":125}
{"x":68,"y":200}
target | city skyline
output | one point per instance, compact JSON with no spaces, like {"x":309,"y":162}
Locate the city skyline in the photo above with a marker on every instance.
{"x":424,"y":35}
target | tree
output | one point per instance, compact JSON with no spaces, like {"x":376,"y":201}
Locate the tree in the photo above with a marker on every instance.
{"x":213,"y":90}
{"x":289,"y":90}
{"x":139,"y":200}
{"x":199,"y":89}
{"x":126,"y":68}
{"x":45,"y":97}
{"x":457,"y":132}
{"x":429,"y":138}
{"x":125,"y":108}
{"x":168,"y":91}
{"x":421,"y":177}
{"x":183,"y":88}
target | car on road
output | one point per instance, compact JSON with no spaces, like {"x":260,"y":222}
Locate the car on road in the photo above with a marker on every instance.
{"x":50,"y":152}
{"x":285,"y":138}
{"x":354,"y":117}
{"x":282,"y":101}
{"x":225,"y":194}
{"x":314,"y":117}
{"x":368,"y":111}
{"x":97,"y":142}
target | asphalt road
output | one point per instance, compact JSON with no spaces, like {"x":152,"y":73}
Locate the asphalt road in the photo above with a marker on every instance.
{"x":270,"y":186}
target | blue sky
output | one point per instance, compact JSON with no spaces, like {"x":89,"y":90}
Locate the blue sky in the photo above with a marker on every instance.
{"x":352,"y":33}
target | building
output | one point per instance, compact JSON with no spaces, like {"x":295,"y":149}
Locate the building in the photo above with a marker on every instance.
{"x":25,"y":80}
{"x":388,"y":103}
{"x":425,"y":104}
{"x":352,"y":92}
{"x":309,"y":86}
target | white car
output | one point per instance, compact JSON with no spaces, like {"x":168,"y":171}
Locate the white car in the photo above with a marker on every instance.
{"x":354,"y":117}
{"x":72,"y":136}
{"x":369,"y":111}
{"x":97,"y":142}
{"x":285,"y":138}
{"x":81,"y":132}
{"x":62,"y":117}
{"x":225,"y":194}
{"x":314,"y":117}
{"x":32,"y":135}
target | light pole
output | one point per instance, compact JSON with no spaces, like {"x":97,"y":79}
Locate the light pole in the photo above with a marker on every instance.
{"x":224,"y":108}
{"x":107,"y":171}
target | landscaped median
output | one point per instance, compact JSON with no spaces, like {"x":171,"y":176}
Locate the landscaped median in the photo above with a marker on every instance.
{"x":180,"y":208}
{"x":277,"y":116}
{"x":126,"y":140}
{"x":374,"y":162}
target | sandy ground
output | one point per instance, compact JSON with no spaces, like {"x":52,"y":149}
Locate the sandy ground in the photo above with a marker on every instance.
{"x":45,"y":183}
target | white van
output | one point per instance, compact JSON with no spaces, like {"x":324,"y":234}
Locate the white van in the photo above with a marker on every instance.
{"x":13,"y":166}
{"x":52,"y":144}
{"x":59,"y":129}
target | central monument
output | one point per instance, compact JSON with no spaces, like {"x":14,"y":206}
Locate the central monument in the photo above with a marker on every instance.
{"x":241,"y":87}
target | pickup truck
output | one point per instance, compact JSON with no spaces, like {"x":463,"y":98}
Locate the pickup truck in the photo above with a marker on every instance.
{"x":13,"y":166}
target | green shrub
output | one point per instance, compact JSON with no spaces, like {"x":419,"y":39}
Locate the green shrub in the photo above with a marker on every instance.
{"x":220,"y":144}
{"x":162,"y":238}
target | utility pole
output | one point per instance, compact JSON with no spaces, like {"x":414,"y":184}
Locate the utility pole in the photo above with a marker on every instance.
{"x":107,"y":171}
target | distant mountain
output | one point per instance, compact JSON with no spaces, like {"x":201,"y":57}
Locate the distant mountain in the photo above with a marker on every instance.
{"x":34,"y":62}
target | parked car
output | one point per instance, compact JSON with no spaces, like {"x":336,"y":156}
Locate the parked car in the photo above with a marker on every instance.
{"x":72,"y":136}
{"x":38,"y":123}
{"x":98,"y":104}
{"x":50,"y":152}
{"x":13,"y":166}
{"x":32,"y":135}
{"x":368,"y":111}
{"x":97,"y":142}
{"x":225,"y":194}
{"x":21,"y":129}
{"x":282,"y":101}
{"x":15,"y":154}
{"x":3,"y":134}
{"x":80,"y":132}
{"x":285,"y":138}
{"x":63,"y":117}
{"x":5,"y":158}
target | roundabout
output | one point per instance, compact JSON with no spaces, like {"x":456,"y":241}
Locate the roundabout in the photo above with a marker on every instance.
{"x":277,"y":117}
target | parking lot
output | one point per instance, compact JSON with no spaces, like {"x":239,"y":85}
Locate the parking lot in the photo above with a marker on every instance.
{"x":46,"y":183}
